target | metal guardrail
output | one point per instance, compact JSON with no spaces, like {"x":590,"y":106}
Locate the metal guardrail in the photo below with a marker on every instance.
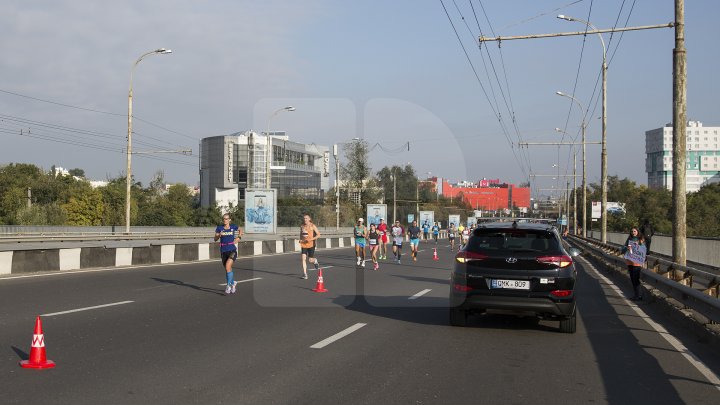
{"x":695,"y":289}
{"x":90,"y":236}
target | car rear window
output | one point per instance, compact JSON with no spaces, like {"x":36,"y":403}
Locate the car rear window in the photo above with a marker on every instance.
{"x":530,"y":240}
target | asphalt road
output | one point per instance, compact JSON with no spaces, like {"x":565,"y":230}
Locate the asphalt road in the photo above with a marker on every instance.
{"x":172,"y":336}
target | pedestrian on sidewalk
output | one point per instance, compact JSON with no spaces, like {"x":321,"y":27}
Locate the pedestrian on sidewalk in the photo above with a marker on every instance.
{"x":634,"y":252}
{"x":647,"y":230}
{"x":229,"y":235}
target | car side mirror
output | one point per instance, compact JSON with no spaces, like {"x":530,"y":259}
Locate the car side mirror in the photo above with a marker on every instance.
{"x":574,"y":251}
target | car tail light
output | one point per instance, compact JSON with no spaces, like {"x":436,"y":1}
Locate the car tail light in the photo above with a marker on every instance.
{"x":462,"y":288}
{"x":559,"y":261}
{"x":561,"y":293}
{"x":464,"y":256}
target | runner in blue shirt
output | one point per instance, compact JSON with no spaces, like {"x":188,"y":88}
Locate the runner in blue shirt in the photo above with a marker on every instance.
{"x":436,"y":232}
{"x":426,"y":230}
{"x":229,"y":235}
{"x":414,"y":233}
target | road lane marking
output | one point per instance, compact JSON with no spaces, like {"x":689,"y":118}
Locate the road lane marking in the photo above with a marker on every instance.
{"x":420,"y":294}
{"x":321,"y":267}
{"x":684,"y":351}
{"x":244,"y":281}
{"x":87,"y":308}
{"x":337,"y":336}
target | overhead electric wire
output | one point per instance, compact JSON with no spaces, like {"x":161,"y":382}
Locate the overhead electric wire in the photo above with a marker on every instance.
{"x":97,"y":111}
{"x":511,"y":108}
{"x":477,"y":77}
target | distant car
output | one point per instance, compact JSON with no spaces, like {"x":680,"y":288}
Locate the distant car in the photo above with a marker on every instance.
{"x":616,"y":211}
{"x":520,"y":267}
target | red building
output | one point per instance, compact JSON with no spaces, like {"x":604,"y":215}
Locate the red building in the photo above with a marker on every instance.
{"x":491,"y":196}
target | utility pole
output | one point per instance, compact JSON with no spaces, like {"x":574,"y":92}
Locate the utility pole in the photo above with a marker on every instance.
{"x":679,"y":5}
{"x":337,"y":187}
{"x":575,"y":221}
{"x":679,"y":137}
{"x":29,"y":197}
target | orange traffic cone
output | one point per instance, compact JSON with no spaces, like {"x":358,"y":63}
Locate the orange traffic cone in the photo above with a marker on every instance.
{"x":435,"y":257}
{"x":37,"y":350}
{"x":320,"y":286}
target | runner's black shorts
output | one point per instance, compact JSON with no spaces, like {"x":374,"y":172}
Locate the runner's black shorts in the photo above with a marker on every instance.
{"x":229,"y":255}
{"x":310,"y":252}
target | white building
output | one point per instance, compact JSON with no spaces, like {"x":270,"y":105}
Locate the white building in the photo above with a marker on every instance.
{"x":703,"y":156}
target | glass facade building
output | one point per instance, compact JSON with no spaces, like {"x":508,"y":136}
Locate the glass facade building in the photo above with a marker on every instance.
{"x":229,"y":164}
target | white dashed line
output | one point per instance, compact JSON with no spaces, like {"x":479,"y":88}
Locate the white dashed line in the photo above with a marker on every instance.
{"x":87,"y":308}
{"x":244,"y":281}
{"x":684,"y":351}
{"x":321,"y":267}
{"x":337,"y":336}
{"x":420,"y":294}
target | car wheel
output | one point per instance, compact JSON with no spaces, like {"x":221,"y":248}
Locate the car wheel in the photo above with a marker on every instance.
{"x":458,"y":317}
{"x":568,"y":325}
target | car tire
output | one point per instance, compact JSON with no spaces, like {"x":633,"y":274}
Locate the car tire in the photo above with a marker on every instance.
{"x":568,"y":325}
{"x":458,"y":317}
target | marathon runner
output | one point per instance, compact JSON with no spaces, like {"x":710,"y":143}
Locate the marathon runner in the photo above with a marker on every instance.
{"x":436,"y":232}
{"x":452,"y":233}
{"x":308,"y":235}
{"x":414,"y":233}
{"x":397,"y":233}
{"x":383,"y":230}
{"x":229,"y":235}
{"x":374,"y":242}
{"x":360,"y":233}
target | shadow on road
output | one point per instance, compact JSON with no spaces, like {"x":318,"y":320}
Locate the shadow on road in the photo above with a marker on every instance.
{"x":194,"y":287}
{"x":21,"y":354}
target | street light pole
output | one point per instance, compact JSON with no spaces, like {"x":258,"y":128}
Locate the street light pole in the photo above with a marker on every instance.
{"x":128,"y":173}
{"x":584,"y":163}
{"x":603,"y":154}
{"x":268,"y":145}
{"x":394,"y":194}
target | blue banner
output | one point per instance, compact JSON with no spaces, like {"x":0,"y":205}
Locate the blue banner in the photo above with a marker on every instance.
{"x":635,"y":253}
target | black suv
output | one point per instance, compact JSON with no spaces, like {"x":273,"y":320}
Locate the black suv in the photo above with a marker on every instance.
{"x":514,"y":266}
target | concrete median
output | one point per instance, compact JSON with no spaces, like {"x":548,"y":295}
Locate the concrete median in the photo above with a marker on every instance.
{"x":31,"y":260}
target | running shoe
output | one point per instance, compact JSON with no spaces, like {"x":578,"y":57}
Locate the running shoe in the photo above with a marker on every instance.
{"x":377,"y":266}
{"x":358,"y":261}
{"x":398,"y":262}
{"x":304,"y":277}
{"x":228,"y":289}
{"x":233,"y":290}
{"x":363,"y":263}
{"x":414,"y":258}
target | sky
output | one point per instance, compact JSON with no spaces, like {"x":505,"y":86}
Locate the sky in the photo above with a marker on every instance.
{"x":391,"y":72}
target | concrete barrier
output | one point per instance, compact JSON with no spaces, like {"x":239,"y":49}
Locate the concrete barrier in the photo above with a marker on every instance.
{"x":63,"y":259}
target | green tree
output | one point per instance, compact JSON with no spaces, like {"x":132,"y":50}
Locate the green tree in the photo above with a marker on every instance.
{"x":85,"y":207}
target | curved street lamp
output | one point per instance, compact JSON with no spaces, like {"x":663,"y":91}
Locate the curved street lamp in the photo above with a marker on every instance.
{"x":128,"y":181}
{"x":268,"y":154}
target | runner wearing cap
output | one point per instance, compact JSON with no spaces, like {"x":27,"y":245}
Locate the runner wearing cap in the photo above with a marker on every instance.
{"x":360,"y":233}
{"x":382,"y":230}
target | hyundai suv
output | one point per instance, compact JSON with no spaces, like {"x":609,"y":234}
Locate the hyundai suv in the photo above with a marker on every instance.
{"x":520,"y":267}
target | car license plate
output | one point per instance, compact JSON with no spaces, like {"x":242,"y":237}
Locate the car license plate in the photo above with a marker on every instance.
{"x":510,"y":284}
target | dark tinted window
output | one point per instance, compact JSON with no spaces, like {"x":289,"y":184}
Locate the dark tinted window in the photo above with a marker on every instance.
{"x":534,"y":240}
